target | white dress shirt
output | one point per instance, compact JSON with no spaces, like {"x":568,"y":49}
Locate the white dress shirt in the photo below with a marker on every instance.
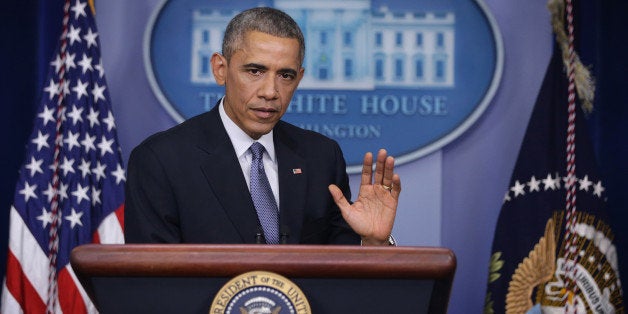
{"x":242,"y":142}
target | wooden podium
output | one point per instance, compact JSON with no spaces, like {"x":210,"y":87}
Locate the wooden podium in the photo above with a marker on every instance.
{"x":182,"y":278}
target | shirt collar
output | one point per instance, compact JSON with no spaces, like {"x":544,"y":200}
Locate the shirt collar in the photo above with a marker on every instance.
{"x":242,"y":141}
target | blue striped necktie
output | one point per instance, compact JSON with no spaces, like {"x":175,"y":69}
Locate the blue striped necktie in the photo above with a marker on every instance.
{"x":262,"y":196}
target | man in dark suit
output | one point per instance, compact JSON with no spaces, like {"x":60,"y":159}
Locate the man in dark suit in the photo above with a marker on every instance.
{"x":191,"y":184}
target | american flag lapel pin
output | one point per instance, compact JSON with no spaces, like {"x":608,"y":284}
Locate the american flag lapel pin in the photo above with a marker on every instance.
{"x":297,"y":171}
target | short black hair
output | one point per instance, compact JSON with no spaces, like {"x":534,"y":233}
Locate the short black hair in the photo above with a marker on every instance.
{"x":262,"y":19}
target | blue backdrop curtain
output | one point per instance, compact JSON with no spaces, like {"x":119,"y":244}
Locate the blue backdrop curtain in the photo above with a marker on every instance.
{"x":602,"y":44}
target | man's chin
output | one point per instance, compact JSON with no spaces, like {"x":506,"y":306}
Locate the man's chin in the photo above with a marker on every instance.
{"x":257,"y":132}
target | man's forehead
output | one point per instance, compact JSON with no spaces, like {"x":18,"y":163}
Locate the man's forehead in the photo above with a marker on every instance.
{"x":262,"y":49}
{"x":254,"y":35}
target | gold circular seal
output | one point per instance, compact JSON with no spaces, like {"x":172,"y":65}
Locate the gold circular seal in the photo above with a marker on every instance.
{"x":260,"y":292}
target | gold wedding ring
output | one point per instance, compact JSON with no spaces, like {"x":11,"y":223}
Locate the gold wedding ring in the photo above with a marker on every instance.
{"x":387,"y":188}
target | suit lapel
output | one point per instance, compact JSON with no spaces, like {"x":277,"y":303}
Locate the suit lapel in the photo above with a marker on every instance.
{"x":292,"y":184}
{"x":224,"y":175}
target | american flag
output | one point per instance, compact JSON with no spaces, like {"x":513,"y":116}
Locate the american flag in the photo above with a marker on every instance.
{"x":71,"y":185}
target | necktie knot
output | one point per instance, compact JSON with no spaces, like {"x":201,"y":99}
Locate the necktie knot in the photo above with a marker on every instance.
{"x":257,"y":150}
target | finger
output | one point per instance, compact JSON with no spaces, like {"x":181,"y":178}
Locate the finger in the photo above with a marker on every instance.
{"x":367,"y":169}
{"x":389,"y":171}
{"x":396,"y":186}
{"x":379,"y":167}
{"x":338,"y":197}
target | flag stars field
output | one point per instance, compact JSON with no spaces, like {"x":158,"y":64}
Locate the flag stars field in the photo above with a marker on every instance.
{"x":84,"y":168}
{"x":86,"y":64}
{"x":95,"y":196}
{"x":105,"y":146}
{"x":69,"y":60}
{"x":119,"y":174}
{"x":67,"y":166}
{"x":92,"y":117}
{"x":28,"y":191}
{"x":80,"y":89}
{"x":79,"y":9}
{"x":74,"y":218}
{"x":109,"y":121}
{"x":74,"y":35}
{"x":90,"y":39}
{"x":47,"y":115}
{"x":99,"y":93}
{"x":100,"y":69}
{"x":81,"y":193}
{"x":99,"y":171}
{"x":88,"y":143}
{"x":52,"y":89}
{"x":57,"y":64}
{"x":45,"y":217}
{"x":72,"y":140}
{"x":35,"y":166}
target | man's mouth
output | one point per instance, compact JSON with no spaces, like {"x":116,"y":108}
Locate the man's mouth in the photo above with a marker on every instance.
{"x":265,"y":113}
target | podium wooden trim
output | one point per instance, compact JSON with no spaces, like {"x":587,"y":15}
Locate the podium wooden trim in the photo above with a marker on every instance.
{"x":302,"y":261}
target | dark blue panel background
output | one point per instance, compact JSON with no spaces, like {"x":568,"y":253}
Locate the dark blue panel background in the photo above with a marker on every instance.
{"x":602,"y":43}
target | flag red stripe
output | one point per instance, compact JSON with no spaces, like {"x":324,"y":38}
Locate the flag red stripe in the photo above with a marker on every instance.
{"x":70,"y":297}
{"x":95,"y":237}
{"x":120,"y":214}
{"x":20,"y":287}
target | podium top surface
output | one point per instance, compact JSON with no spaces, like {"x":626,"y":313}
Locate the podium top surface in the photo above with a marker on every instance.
{"x":167,"y":260}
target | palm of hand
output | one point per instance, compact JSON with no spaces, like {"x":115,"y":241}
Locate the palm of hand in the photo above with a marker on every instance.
{"x":372,"y":215}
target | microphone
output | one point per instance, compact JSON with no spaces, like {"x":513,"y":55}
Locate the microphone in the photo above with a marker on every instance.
{"x":284,"y":234}
{"x":259,"y":236}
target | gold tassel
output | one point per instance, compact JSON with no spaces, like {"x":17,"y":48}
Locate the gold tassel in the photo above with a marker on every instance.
{"x":585,"y":86}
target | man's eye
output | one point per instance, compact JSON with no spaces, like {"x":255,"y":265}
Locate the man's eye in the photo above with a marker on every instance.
{"x":287,"y":76}
{"x":255,"y":71}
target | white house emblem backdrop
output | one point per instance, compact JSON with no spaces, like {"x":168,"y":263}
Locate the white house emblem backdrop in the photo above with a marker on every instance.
{"x":409,"y":76}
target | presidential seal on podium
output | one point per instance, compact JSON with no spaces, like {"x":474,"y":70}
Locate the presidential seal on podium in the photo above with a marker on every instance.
{"x":260,"y":292}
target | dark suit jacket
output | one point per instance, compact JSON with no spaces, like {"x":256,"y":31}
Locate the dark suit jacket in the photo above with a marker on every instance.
{"x":185,"y":185}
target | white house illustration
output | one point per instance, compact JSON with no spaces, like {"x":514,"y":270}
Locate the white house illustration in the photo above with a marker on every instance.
{"x":349,"y":45}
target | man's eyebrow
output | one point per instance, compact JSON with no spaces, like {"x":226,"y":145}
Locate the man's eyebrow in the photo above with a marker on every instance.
{"x":254,"y":66}
{"x":265,"y":68}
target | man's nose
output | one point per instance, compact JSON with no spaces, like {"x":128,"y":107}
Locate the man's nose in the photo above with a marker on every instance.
{"x":269,"y":88}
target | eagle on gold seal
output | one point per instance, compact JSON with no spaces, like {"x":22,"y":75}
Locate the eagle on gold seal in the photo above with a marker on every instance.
{"x":535,"y":270}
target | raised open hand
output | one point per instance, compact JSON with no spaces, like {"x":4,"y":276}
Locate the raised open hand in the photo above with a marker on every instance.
{"x":372,"y":215}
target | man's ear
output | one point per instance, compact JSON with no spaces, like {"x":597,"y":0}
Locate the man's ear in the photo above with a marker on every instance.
{"x":219,"y":68}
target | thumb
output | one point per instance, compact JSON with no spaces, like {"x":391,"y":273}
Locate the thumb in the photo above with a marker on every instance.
{"x":339,"y":198}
